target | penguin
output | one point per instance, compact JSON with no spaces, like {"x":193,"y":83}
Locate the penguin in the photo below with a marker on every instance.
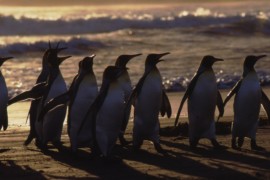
{"x":41,"y":78}
{"x":50,"y":127}
{"x":107,"y":112}
{"x":149,"y":98}
{"x":81,"y":95}
{"x":203,"y":97}
{"x":247,"y":102}
{"x":125,"y":83}
{"x":3,"y":97}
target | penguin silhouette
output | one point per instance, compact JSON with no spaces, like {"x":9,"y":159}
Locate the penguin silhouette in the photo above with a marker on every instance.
{"x":203,"y":97}
{"x":50,"y":127}
{"x":125,"y":83}
{"x":3,"y":97}
{"x":81,"y":95}
{"x":247,"y":102}
{"x":149,"y":99}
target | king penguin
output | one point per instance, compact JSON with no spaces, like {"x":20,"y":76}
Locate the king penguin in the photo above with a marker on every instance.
{"x":203,"y":97}
{"x":125,"y":83}
{"x":41,"y":78}
{"x":247,"y":102}
{"x":149,"y":98}
{"x":50,"y":127}
{"x":107,"y":112}
{"x":3,"y":97}
{"x":81,"y":95}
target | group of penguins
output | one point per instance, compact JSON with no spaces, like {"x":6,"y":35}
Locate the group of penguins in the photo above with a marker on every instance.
{"x":97,"y":118}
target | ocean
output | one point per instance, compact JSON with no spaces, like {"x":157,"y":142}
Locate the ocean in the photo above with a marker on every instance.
{"x":189,"y":31}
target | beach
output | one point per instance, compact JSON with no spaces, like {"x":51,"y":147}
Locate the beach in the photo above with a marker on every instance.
{"x":19,"y":162}
{"x":189,"y":30}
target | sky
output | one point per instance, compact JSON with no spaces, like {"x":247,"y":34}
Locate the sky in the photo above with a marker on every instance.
{"x":78,"y":2}
{"x":101,"y":2}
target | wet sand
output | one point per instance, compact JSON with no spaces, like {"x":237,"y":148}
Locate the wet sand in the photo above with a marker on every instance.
{"x":19,"y":162}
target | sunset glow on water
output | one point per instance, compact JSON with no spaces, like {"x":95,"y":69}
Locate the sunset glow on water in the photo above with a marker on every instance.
{"x":189,"y":30}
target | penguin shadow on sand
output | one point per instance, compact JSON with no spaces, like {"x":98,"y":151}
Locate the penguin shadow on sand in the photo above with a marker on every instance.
{"x":10,"y":170}
{"x":98,"y":166}
{"x":180,"y":163}
{"x":227,"y":162}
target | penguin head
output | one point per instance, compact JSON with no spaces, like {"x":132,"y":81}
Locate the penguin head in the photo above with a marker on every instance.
{"x":122,"y":60}
{"x":44,"y":58}
{"x":86,"y":64}
{"x":62,"y":59}
{"x":208,"y":61}
{"x":52,"y":58}
{"x":4,"y":59}
{"x":111,"y":73}
{"x":153,"y":59}
{"x":251,"y":60}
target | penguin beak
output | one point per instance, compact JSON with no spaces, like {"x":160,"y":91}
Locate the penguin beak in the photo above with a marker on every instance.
{"x":135,"y":55}
{"x":61,"y":59}
{"x":129,"y":57}
{"x":4,"y":59}
{"x":163,"y":54}
{"x":160,"y":56}
{"x":218,"y":59}
{"x":259,"y":57}
{"x":92,"y":56}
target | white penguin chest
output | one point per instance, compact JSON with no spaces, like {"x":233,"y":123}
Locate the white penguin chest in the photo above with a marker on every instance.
{"x":115,"y":96}
{"x":58,"y":87}
{"x":86,"y":94}
{"x":205,"y":90}
{"x":87,"y":90}
{"x":152,"y":86}
{"x":249,"y":93}
{"x":125,"y":83}
{"x":113,"y":105}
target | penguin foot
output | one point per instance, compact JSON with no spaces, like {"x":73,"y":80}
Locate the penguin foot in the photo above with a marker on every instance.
{"x":137,"y":145}
{"x":240,"y":142}
{"x":217,"y":146}
{"x":123,"y":141}
{"x":193,"y":144}
{"x":58,"y":145}
{"x":41,"y":146}
{"x":95,"y":152}
{"x":136,"y":148}
{"x":234,"y":146}
{"x":159,"y":149}
{"x":255,"y":147}
{"x":28,"y":140}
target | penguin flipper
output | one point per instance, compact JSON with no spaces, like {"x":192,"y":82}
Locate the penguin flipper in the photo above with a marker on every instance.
{"x":229,"y":95}
{"x":131,"y":101}
{"x":136,"y":91}
{"x":4,"y":120}
{"x":165,"y":105}
{"x":54,"y":103}
{"x":35,"y":93}
{"x":233,"y":91}
{"x":94,"y":108}
{"x":266,"y":104}
{"x":186,"y":95}
{"x":220,"y":104}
